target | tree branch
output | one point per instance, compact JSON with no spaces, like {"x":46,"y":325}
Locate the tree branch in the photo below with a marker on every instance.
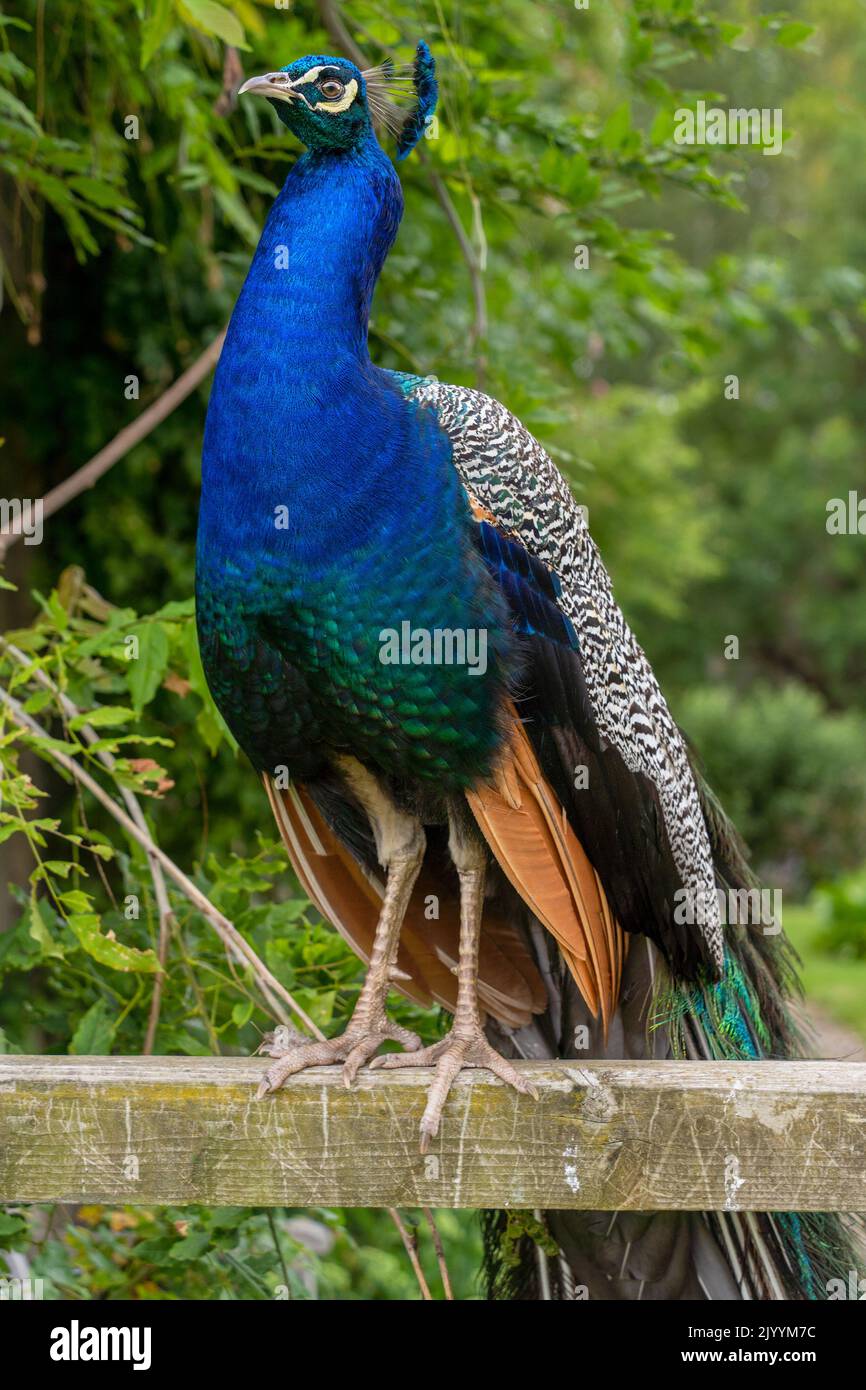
{"x":440,"y":1253}
{"x":410,"y":1243}
{"x":132,"y":434}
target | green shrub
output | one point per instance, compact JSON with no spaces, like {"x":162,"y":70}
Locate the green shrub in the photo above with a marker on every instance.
{"x":791,"y":774}
{"x":842,"y":909}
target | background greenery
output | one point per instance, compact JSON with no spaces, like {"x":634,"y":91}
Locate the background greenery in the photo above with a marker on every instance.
{"x":122,"y":257}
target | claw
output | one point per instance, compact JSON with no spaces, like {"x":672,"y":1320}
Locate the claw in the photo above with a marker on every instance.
{"x":467,"y":1048}
{"x":354,"y":1047}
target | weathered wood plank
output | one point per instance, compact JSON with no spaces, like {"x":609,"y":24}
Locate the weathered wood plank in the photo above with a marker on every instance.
{"x":631,"y":1135}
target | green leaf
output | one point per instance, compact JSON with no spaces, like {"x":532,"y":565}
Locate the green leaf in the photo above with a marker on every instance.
{"x":242,"y":1013}
{"x":14,"y":1231}
{"x":209,"y":722}
{"x":729,"y":32}
{"x":38,"y":700}
{"x":76,"y":901}
{"x":17,"y":109}
{"x":257,"y":182}
{"x":216,"y":19}
{"x":191,"y":1247}
{"x":95,"y":1032}
{"x":617,"y":127}
{"x":156,"y":29}
{"x":662,"y":128}
{"x":148,"y":668}
{"x":57,"y":611}
{"x":175,"y":609}
{"x":235,"y":212}
{"x":60,"y":868}
{"x":38,"y":930}
{"x":103,"y":717}
{"x":179,"y":1040}
{"x":86,"y":927}
{"x":793,"y":33}
{"x":97,"y":191}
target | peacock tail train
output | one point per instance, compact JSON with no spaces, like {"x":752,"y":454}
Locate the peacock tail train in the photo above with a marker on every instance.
{"x":745,"y":1015}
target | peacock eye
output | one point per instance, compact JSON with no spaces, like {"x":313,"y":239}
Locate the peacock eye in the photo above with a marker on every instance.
{"x":332,"y":89}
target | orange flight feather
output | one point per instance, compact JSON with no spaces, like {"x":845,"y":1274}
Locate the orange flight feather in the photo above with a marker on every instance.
{"x":527,"y":829}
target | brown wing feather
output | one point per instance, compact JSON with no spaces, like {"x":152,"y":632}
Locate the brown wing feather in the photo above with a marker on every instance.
{"x":527,"y":830}
{"x":509,"y":984}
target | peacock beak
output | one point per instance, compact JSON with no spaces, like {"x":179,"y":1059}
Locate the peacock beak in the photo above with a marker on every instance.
{"x":275,"y":85}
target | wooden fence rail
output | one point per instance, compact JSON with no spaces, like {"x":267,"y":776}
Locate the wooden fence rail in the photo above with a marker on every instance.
{"x":603,"y":1135}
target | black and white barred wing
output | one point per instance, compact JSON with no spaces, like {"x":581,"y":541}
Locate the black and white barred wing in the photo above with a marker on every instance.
{"x":595,"y":713}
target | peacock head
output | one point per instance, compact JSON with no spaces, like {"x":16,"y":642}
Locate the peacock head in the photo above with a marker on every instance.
{"x":331,"y":105}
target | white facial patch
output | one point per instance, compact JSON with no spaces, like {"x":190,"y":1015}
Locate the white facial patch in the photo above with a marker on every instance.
{"x":344,"y":102}
{"x":310,"y":75}
{"x":341,"y":104}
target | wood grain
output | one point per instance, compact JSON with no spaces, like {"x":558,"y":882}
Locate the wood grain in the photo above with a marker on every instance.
{"x":629,"y":1135}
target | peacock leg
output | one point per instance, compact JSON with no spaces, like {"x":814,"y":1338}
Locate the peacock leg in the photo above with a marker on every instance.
{"x":465,"y":1045}
{"x":400,"y":845}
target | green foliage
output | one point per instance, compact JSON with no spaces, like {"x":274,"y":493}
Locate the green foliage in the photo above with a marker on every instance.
{"x":791,"y":774}
{"x":841,"y":907}
{"x":133,"y":190}
{"x":228,"y":1253}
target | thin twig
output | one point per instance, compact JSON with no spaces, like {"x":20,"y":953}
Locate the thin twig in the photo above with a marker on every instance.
{"x":440,"y":1252}
{"x":132,"y":434}
{"x":225,"y":929}
{"x":411,"y":1244}
{"x":276,"y":1239}
{"x":165,"y":921}
{"x":479,"y":294}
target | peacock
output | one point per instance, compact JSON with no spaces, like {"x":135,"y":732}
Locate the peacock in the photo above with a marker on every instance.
{"x":409,"y":630}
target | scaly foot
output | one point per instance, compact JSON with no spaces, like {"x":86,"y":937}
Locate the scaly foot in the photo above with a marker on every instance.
{"x":354,"y":1047}
{"x":462,"y":1047}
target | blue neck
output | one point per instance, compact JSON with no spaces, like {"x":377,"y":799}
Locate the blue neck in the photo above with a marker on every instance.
{"x":297,"y":342}
{"x":319,"y":257}
{"x":305,"y":306}
{"x":299,"y":417}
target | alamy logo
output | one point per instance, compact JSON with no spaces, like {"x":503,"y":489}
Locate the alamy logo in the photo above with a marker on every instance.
{"x":846,"y":516}
{"x":19,"y":516}
{"x":438,"y":646}
{"x":15,"y":1290}
{"x":77,"y":1343}
{"x":853,"y":1288}
{"x":756,"y":907}
{"x":712,"y":125}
